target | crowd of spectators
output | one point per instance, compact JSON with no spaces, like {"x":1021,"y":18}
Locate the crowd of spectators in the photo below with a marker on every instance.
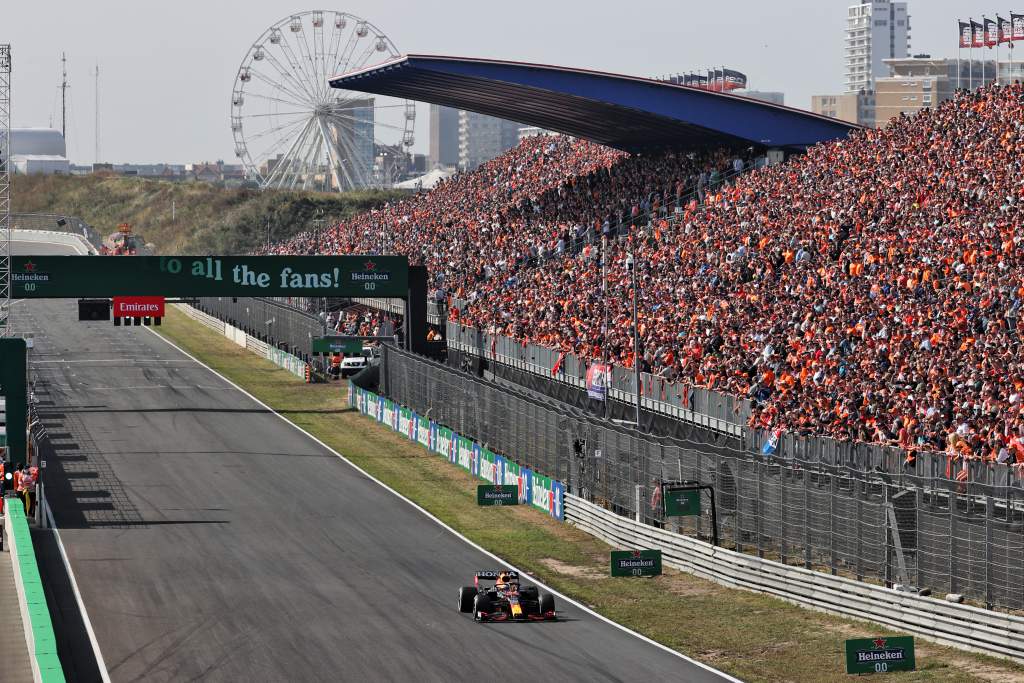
{"x":867,"y":290}
{"x":545,"y":197}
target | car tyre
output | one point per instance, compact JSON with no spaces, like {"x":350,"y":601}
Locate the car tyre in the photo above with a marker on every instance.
{"x":547,"y":603}
{"x":466,"y":596}
{"x":481,"y":603}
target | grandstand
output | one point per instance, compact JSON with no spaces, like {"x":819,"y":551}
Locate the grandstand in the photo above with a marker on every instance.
{"x":840,"y":304}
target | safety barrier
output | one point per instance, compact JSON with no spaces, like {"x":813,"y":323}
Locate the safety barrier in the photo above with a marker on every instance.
{"x":35,"y":614}
{"x":77,"y":242}
{"x":535,"y":489}
{"x":959,"y":625}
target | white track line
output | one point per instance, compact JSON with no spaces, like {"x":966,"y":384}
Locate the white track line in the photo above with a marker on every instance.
{"x":722,"y":674}
{"x":100,"y":664}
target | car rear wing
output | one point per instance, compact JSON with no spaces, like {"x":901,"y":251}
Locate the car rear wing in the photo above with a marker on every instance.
{"x":493,"y":576}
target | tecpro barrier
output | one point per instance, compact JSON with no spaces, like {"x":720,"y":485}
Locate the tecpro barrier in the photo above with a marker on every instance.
{"x":535,"y":489}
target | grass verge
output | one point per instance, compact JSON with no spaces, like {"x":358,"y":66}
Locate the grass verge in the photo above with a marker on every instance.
{"x":751,"y":636}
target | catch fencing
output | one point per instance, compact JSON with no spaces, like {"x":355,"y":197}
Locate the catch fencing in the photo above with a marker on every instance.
{"x":914,"y":527}
{"x":280,"y":324}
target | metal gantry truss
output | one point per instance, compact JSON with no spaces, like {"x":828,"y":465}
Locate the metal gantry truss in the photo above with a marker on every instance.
{"x":5,"y":191}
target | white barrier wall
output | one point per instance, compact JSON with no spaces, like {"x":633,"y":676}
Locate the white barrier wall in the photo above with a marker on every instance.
{"x":962,"y":626}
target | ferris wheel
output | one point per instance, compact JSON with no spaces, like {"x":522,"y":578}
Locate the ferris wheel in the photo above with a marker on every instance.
{"x":292,"y":130}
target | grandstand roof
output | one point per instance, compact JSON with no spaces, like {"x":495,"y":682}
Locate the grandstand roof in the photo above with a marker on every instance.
{"x":625,"y":112}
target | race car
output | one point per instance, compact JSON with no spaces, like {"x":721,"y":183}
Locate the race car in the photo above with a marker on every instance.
{"x":505,"y":599}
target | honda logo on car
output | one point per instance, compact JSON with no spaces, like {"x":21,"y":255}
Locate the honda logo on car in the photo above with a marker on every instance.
{"x":138,"y":307}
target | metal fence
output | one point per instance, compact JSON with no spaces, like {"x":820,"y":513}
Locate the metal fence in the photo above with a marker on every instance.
{"x":281,"y":324}
{"x":914,"y":527}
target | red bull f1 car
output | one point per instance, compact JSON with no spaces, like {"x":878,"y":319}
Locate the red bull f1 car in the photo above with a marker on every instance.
{"x":505,"y":599}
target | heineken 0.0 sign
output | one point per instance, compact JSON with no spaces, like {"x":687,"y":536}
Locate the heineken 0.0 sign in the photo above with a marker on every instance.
{"x":322,"y":345}
{"x":636,"y":562}
{"x":502,"y":494}
{"x":681,"y":502}
{"x":879,"y":655}
{"x":40,"y":277}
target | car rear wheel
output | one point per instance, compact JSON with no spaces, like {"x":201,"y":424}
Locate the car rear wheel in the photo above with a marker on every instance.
{"x":547,"y":603}
{"x":466,"y":595}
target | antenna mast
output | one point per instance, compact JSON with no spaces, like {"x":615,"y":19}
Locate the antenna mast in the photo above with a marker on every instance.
{"x":96,"y":153}
{"x":63,"y":98}
{"x":5,"y":190}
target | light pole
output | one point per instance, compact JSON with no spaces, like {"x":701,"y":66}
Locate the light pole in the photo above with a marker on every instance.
{"x":631,"y":264}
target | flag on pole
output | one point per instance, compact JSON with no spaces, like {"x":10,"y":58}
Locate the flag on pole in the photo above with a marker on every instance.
{"x":966,"y":37}
{"x":1017,"y":24}
{"x":1005,"y":30}
{"x":991,"y":32}
{"x":977,"y":34}
{"x":734,"y":79}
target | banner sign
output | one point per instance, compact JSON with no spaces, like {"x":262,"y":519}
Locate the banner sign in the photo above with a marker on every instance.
{"x":491,"y":494}
{"x":77,"y":277}
{"x":346,"y":345}
{"x":138,"y":307}
{"x":636,"y":562}
{"x":1017,"y":24}
{"x":599,"y":378}
{"x":681,"y":502}
{"x":879,"y":655}
{"x":529,"y":487}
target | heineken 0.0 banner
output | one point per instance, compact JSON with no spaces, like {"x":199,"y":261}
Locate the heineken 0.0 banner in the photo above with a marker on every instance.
{"x":489,"y":494}
{"x":681,"y":502}
{"x":879,"y":655}
{"x":636,"y":562}
{"x":76,"y":277}
{"x":504,"y":475}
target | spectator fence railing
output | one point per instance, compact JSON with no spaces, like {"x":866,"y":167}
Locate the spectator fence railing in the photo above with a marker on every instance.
{"x":916,"y":527}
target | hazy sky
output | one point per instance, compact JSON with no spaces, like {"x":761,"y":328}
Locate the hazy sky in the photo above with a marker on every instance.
{"x":167,"y":68}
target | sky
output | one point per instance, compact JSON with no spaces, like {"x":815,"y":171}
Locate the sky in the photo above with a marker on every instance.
{"x":167,"y":68}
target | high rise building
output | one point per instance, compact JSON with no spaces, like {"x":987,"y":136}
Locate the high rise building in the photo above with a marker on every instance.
{"x":921,"y":82}
{"x":481,"y":138}
{"x":876,"y":30}
{"x":444,"y":136}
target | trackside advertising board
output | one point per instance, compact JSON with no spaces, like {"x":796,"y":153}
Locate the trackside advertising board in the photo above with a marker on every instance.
{"x":529,"y":487}
{"x":879,"y":655}
{"x":490,"y":494}
{"x":636,"y":562}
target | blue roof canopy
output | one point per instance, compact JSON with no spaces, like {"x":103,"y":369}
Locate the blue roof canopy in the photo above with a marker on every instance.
{"x":625,"y":112}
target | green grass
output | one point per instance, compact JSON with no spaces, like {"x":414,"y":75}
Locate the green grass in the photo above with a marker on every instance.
{"x":207,"y":220}
{"x":751,"y":636}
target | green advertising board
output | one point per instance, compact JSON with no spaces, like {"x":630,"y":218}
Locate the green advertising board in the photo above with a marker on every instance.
{"x":636,"y":562}
{"x":879,"y":655}
{"x":76,"y":277}
{"x":500,"y":494}
{"x":681,"y":502}
{"x":344,"y":345}
{"x":14,"y":391}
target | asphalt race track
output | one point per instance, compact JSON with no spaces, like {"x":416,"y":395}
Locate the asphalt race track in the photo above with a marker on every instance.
{"x":212,"y":541}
